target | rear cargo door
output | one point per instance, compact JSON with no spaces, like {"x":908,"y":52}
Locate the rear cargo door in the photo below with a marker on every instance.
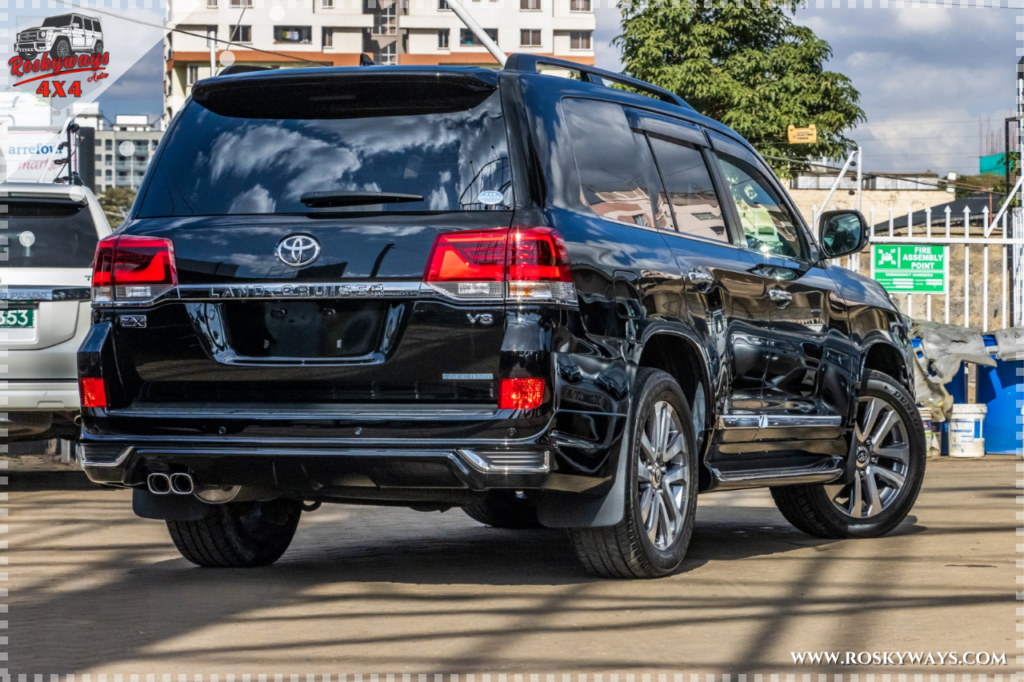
{"x":302,"y":217}
{"x":44,"y":284}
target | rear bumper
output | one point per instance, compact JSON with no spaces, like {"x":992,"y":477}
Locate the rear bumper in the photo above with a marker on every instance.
{"x":372,"y":474}
{"x":40,"y":396}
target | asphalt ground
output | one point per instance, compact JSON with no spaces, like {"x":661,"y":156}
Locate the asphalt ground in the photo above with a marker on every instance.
{"x":93,"y":589}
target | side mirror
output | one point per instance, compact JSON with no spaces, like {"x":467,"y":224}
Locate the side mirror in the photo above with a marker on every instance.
{"x":841,"y":233}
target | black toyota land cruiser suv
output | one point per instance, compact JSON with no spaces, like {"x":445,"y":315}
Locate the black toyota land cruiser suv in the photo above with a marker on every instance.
{"x":544,"y":300}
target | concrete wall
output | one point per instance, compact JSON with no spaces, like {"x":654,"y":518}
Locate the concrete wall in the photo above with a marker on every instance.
{"x":882,"y":201}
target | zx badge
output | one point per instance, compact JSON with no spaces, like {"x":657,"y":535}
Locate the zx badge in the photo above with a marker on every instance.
{"x":480,"y":318}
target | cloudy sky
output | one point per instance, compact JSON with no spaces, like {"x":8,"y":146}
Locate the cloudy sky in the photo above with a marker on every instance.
{"x":927,"y":77}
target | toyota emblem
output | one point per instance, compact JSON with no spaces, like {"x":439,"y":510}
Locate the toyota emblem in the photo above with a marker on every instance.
{"x":298,"y":250}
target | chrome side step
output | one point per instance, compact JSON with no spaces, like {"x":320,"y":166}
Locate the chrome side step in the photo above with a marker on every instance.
{"x":781,"y":421}
{"x":762,"y":478}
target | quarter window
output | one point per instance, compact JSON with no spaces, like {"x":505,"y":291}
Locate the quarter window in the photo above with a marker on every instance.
{"x":613,"y":166}
{"x":690,"y":190}
{"x":768,"y":227}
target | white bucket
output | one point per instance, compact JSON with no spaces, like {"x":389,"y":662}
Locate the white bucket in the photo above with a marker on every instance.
{"x":966,"y":437}
{"x":932,"y":440}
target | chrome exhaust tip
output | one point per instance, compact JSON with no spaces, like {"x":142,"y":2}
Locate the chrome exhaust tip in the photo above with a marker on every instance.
{"x":159,"y":484}
{"x":182,"y":484}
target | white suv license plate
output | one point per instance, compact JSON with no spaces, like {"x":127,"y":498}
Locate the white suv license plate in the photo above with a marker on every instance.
{"x":17,"y":319}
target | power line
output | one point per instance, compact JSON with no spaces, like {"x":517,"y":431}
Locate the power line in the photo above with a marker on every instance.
{"x":923,"y":183}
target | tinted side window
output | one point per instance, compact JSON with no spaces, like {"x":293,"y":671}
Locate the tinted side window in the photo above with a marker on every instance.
{"x":690,"y":190}
{"x":78,"y":22}
{"x":768,"y":226}
{"x":613,"y":161}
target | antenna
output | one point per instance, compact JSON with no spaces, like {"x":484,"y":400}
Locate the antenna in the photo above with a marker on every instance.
{"x":481,"y":34}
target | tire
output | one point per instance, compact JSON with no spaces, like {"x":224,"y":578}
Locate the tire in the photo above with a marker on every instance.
{"x":98,"y":47}
{"x":61,"y":49}
{"x":504,"y":509}
{"x":849,"y":510}
{"x":661,"y":480}
{"x":27,"y":56}
{"x":238,"y":534}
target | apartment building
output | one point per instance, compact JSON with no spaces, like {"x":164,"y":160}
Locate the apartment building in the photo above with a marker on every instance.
{"x":123,"y":151}
{"x":296,"y":33}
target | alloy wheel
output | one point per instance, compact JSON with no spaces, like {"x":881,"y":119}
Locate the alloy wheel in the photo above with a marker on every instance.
{"x":882,"y":461}
{"x":63,"y":50}
{"x":662,"y":475}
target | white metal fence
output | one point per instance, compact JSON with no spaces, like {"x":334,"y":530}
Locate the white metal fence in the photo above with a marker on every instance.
{"x":986,"y":264}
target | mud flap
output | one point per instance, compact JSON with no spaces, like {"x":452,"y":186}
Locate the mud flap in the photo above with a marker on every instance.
{"x":575,"y":510}
{"x":146,"y":505}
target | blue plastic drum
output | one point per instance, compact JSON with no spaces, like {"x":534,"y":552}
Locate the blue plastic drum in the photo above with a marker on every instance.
{"x":1001,"y":388}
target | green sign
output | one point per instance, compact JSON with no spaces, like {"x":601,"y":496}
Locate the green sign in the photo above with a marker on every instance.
{"x":910,"y":268}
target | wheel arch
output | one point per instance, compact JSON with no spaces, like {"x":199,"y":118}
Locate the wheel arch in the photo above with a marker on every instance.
{"x":676,"y":352}
{"x":885,"y":357}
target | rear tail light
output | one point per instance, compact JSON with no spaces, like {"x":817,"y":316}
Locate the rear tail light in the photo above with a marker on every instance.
{"x":520,"y":263}
{"x":469,"y":264}
{"x":520,"y":394}
{"x":133,"y":269}
{"x":92,"y":392}
{"x":538,"y":266}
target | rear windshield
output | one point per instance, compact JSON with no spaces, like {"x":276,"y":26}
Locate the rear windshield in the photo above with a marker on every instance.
{"x":48,"y":234}
{"x":258,"y":150}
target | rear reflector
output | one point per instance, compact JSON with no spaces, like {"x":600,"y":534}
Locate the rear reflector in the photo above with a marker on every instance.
{"x":518,"y":263}
{"x":520,"y":394}
{"x":92,"y":392}
{"x":130,"y":268}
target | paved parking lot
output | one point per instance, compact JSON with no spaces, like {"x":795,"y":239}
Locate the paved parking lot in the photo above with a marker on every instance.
{"x":371,"y":590}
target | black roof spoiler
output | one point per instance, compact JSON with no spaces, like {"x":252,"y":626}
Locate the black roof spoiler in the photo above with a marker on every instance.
{"x":591,"y":74}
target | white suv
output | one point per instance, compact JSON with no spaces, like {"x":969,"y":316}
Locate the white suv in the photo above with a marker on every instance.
{"x":61,"y":36}
{"x":45,"y":267}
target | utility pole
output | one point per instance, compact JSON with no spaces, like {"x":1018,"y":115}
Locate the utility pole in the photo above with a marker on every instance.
{"x":480,"y":34}
{"x":1020,"y":125}
{"x":860,"y":179}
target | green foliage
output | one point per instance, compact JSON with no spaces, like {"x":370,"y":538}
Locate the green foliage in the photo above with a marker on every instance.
{"x":968,"y":185}
{"x":747,"y":66}
{"x":116,"y":202}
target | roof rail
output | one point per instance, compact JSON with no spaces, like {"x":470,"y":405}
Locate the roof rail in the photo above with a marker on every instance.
{"x":530,"y":62}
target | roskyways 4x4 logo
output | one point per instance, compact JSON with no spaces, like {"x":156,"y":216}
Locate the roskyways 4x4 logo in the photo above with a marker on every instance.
{"x":60,"y":46}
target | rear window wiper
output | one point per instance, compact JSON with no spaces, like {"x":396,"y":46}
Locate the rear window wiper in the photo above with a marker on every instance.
{"x":354,"y":198}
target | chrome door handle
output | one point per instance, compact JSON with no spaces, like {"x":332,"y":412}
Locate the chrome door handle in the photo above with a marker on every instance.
{"x":780,"y":295}
{"x":700,"y":279}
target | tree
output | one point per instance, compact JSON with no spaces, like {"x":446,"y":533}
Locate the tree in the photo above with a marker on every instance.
{"x":116,"y":202}
{"x":749,"y":67}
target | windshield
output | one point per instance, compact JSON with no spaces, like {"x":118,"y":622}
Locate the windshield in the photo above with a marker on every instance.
{"x":58,"y":21}
{"x":260,"y":152}
{"x":50,"y":233}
